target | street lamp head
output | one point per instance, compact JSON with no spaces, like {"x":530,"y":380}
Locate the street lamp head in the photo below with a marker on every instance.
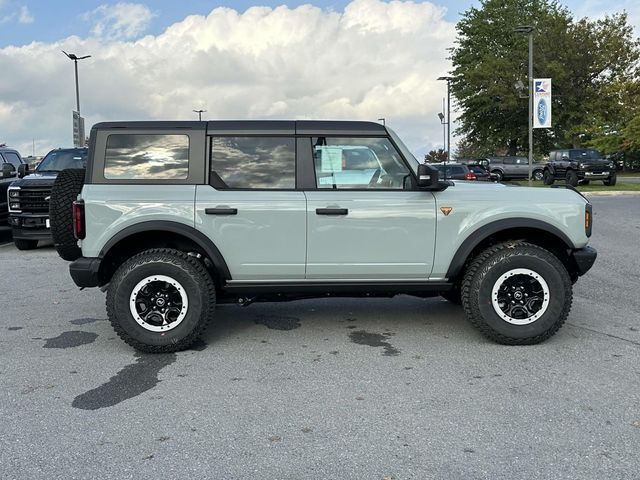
{"x":519,"y":85}
{"x":523,"y":29}
{"x":446,"y":79}
{"x":73,"y":56}
{"x":441,"y":116}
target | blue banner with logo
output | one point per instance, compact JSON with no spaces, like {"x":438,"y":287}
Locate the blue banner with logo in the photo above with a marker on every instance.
{"x":541,"y":103}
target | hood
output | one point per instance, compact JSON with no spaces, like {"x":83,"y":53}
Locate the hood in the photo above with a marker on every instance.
{"x":36,"y":180}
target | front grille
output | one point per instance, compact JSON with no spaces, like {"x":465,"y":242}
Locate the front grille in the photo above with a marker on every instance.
{"x":32,"y":199}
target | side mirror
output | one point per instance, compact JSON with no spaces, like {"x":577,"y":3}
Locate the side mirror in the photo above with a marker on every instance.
{"x":23,"y":170}
{"x":8,"y":170}
{"x":428,"y":176}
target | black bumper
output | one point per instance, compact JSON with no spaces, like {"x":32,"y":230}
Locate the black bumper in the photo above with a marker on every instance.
{"x":84,"y":272}
{"x":584,"y":258}
{"x":30,"y":227}
{"x":31,"y":233}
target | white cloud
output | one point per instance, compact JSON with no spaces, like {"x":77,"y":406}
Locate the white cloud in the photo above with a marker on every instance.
{"x":375,"y":59}
{"x":122,"y":21}
{"x":25,"y":16}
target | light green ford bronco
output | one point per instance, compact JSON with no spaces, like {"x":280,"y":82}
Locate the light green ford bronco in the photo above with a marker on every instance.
{"x":171,"y":218}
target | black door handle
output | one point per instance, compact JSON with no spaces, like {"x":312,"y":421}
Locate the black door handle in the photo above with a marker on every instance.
{"x":221,"y":211}
{"x":332,"y":211}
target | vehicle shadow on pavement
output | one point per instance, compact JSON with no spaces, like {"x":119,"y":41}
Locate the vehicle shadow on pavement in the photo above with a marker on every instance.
{"x":331,"y":316}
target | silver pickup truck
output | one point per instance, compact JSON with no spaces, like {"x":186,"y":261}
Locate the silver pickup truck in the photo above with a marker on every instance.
{"x":171,"y":218}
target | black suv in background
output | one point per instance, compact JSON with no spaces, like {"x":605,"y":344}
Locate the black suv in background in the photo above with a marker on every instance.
{"x":454,"y":171}
{"x":10,"y":161}
{"x":29,"y":196}
{"x":579,"y":165}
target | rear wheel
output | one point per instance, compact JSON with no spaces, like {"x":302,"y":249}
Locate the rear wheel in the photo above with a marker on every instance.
{"x":517,"y":293}
{"x":611,"y":181}
{"x":65,"y":190}
{"x":537,"y":175}
{"x":547,"y":178}
{"x":498,"y":175}
{"x":572,"y":178}
{"x":161,"y":300}
{"x":25,"y":244}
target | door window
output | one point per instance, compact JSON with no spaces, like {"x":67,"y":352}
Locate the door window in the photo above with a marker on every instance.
{"x":257,"y":163}
{"x":358,"y":163}
{"x":13,"y":159}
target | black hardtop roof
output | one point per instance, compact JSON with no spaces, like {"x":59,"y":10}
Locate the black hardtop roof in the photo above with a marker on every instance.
{"x":256,"y":127}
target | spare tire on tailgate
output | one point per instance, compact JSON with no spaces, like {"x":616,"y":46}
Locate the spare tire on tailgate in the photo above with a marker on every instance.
{"x":65,"y":191}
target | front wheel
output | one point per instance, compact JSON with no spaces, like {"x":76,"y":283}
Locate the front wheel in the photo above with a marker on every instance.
{"x":161,"y":300}
{"x":25,"y":244}
{"x":611,"y":181}
{"x":517,"y":293}
{"x":572,"y":178}
{"x":548,"y":178}
{"x":498,"y":175}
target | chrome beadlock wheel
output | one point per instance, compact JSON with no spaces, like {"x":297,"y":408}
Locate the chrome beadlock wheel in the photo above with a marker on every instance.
{"x":158,"y":303}
{"x":520,"y":296}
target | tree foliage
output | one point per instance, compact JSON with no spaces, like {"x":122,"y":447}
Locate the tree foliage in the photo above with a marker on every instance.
{"x":436,"y":156}
{"x":593,"y":65}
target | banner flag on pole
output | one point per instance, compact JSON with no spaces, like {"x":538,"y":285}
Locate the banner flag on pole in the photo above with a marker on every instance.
{"x":541,"y":103}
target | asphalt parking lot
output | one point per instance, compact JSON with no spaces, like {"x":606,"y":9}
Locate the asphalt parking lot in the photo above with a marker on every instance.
{"x":347,"y":389}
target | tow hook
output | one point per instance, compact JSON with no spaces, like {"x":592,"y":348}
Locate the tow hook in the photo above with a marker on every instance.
{"x":246,"y":301}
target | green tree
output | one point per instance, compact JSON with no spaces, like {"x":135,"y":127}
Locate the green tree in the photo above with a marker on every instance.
{"x":584,"y":58}
{"x":436,"y":156}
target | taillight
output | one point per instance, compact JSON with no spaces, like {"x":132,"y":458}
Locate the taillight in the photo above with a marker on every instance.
{"x":78,"y":220}
{"x":470,"y":176}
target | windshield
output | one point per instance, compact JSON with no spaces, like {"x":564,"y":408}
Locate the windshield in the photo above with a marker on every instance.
{"x":413,"y":163}
{"x":58,"y":160}
{"x":584,"y":154}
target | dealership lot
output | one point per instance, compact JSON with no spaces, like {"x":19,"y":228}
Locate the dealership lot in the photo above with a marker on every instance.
{"x":338,"y":388}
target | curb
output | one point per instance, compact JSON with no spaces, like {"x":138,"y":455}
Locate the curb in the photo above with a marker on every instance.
{"x":610,"y":194}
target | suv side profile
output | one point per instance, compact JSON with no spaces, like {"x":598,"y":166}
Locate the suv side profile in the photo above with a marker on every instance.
{"x":510,"y":167}
{"x":173,"y":218}
{"x":579,"y":165}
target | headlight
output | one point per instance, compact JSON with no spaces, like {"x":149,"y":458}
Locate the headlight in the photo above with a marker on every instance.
{"x":13,"y":193}
{"x":581,"y":165}
{"x":612,"y":165}
{"x":14,"y":206}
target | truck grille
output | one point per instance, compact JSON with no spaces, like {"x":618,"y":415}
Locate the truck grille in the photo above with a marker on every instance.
{"x":34,"y":199}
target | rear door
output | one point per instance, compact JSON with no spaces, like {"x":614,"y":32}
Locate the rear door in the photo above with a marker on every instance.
{"x":372,"y":226}
{"x":251,"y":209}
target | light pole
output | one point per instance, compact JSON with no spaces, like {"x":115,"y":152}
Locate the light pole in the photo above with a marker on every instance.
{"x":75,"y":58}
{"x":528,"y":29}
{"x":448,"y":80}
{"x":199,"y":112}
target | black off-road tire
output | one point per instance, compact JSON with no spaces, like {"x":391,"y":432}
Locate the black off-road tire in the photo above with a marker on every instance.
{"x":548,"y":178}
{"x":65,"y":190}
{"x":191,"y":275}
{"x":498,"y":174}
{"x":572,"y":178}
{"x":485,"y":270}
{"x":612,"y":180}
{"x":538,"y":175}
{"x":22,"y":244}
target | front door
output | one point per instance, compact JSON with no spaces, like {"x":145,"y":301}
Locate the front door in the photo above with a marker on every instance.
{"x":363,"y":220}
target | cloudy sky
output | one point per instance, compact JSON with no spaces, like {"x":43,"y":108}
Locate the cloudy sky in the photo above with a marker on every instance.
{"x":321,"y":59}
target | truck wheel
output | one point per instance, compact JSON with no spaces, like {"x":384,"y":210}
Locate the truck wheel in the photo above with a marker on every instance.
{"x":572,"y":178}
{"x":160,"y":300}
{"x":537,"y":175}
{"x":517,"y":293}
{"x":25,"y":244}
{"x":548,"y":178}
{"x":498,"y":174}
{"x":65,"y":191}
{"x":611,"y":181}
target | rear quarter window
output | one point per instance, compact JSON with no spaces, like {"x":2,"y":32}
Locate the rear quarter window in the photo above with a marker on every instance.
{"x":146,"y":157}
